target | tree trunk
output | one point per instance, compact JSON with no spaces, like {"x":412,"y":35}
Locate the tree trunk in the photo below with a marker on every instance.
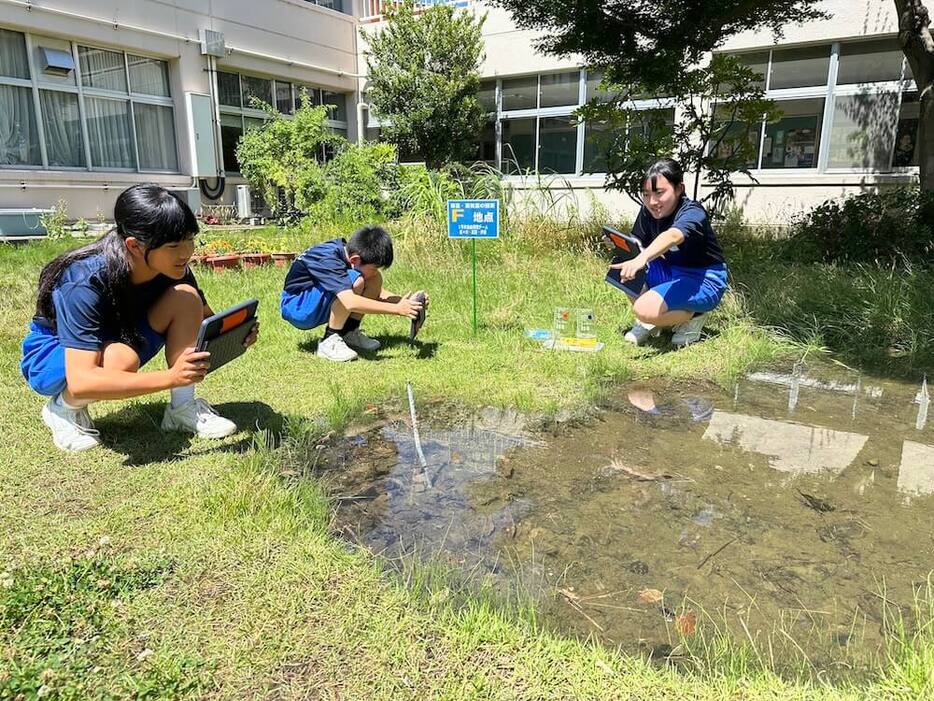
{"x":914,"y":34}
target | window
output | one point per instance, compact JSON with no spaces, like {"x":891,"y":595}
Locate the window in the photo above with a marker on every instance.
{"x":863,"y":131}
{"x":906,"y":134}
{"x":486,"y":148}
{"x":518,"y":145}
{"x":520,"y":94}
{"x":487,"y":95}
{"x":560,"y":89}
{"x":757,"y":62}
{"x":557,"y":145}
{"x":870,"y":62}
{"x":794,"y":140}
{"x":594,"y":79}
{"x":106,"y":111}
{"x":595,"y":147}
{"x":239,"y":113}
{"x":799,"y":68}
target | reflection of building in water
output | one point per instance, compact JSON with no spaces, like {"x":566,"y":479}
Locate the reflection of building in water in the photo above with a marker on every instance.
{"x":916,"y":469}
{"x":923,"y":400}
{"x":476,"y":449}
{"x":797,"y":448}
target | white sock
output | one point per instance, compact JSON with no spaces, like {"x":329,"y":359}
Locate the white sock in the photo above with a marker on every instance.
{"x":60,"y":400}
{"x":181,"y":395}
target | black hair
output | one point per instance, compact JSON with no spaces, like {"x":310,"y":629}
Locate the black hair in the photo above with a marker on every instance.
{"x":668,"y":168}
{"x":150,"y":214}
{"x":373,"y":245}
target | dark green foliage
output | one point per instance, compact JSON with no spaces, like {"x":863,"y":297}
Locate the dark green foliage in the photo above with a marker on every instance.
{"x":424,"y":79}
{"x":649,"y":42}
{"x":59,"y":632}
{"x":893,"y":225}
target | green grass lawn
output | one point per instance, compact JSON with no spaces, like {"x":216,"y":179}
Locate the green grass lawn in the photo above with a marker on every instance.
{"x":162,"y":566}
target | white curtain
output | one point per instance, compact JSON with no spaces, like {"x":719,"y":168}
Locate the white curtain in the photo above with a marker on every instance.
{"x":19,"y":138}
{"x":109,"y":131}
{"x":62,"y":123}
{"x":149,"y":76}
{"x":155,"y":135}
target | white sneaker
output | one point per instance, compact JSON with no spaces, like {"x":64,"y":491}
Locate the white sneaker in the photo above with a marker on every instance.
{"x":689,"y":332}
{"x":359,"y":340}
{"x":334,"y":348}
{"x":640,"y":333}
{"x":198,"y":417}
{"x":72,"y":430}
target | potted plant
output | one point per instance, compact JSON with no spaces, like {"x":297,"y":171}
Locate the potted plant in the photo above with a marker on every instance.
{"x":258,"y":254}
{"x":219,"y":255}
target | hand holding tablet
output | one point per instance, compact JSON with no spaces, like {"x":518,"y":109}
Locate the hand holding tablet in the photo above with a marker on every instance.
{"x":227,"y":334}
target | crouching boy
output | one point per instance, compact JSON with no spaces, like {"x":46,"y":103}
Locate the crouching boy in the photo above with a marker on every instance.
{"x":336,"y":283}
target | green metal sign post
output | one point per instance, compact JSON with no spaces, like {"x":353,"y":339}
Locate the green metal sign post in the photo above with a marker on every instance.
{"x":473,"y":219}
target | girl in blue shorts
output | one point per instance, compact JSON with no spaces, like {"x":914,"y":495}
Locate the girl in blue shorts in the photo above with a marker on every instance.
{"x":105,"y":309}
{"x":687,"y":274}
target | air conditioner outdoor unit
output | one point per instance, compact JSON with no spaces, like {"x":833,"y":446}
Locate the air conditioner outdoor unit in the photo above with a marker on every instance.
{"x":244,"y":208}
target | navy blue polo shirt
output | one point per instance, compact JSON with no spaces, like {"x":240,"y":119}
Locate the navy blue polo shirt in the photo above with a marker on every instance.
{"x":700,"y":248}
{"x":324,"y":265}
{"x":85,"y":317}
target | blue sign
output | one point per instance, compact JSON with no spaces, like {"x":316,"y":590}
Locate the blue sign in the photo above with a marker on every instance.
{"x":473,"y":219}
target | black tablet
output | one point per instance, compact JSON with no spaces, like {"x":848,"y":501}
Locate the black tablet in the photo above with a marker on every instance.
{"x":419,"y":320}
{"x":626,"y":248}
{"x":222,"y":335}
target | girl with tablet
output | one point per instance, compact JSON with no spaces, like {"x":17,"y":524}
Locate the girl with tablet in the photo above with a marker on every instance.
{"x":687,"y":273}
{"x":105,"y":309}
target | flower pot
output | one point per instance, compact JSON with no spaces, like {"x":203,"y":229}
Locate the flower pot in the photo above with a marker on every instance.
{"x":282,"y":259}
{"x":227,"y":261}
{"x":254,"y":260}
{"x":197,"y":259}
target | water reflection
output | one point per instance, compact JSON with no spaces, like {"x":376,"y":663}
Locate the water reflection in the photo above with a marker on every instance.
{"x":796,"y":448}
{"x":916,"y":469}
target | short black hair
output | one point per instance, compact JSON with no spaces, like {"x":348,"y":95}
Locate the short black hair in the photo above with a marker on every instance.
{"x":668,"y":168}
{"x":373,"y":245}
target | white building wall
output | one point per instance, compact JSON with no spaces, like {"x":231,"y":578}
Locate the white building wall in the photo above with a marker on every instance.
{"x":286,"y":39}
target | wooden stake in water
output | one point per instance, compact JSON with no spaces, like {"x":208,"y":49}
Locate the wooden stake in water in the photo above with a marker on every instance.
{"x":418,"y":442}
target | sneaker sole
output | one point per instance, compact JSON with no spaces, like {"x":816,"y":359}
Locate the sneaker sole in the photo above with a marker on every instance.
{"x":337,"y":360}
{"x":200,"y":434}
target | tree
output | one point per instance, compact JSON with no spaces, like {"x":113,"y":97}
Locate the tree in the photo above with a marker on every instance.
{"x":721,"y":106}
{"x":914,"y":34}
{"x":661,"y":48}
{"x":424,"y":79}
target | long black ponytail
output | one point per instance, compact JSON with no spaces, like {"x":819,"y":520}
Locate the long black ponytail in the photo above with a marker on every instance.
{"x":150,"y":214}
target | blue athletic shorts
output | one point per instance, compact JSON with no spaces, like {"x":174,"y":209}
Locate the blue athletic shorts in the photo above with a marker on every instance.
{"x":687,"y":289}
{"x":310,"y":308}
{"x":43,"y":362}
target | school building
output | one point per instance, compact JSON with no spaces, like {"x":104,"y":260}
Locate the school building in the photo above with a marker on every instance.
{"x":98,"y":94}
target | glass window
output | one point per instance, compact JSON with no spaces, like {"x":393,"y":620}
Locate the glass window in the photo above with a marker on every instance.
{"x":800,"y":68}
{"x":487,"y":95}
{"x":339,"y":102}
{"x":313,"y":94}
{"x":520,"y":94}
{"x":486,"y":148}
{"x":596,"y":135}
{"x":758,"y":62}
{"x":19,"y":137}
{"x":906,"y":135}
{"x":102,"y":69}
{"x":260,"y":88}
{"x":284,"y":97}
{"x":870,"y":62}
{"x":863,"y":131}
{"x":14,"y":62}
{"x":557,"y":145}
{"x":251,"y":123}
{"x":109,"y":132}
{"x":155,"y":134}
{"x":731,"y":140}
{"x":794,"y":140}
{"x":518,"y":145}
{"x":593,"y":86}
{"x":560,"y":89}
{"x":228,"y":88}
{"x":62,"y":123}
{"x":149,"y":76}
{"x":231,"y":131}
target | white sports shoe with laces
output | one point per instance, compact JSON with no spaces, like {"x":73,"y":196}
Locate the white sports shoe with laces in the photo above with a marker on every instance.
{"x":640,"y":333}
{"x":72,"y":429}
{"x":334,"y":348}
{"x":198,"y":417}
{"x":689,"y":332}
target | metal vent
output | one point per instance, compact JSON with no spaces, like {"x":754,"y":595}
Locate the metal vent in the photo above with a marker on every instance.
{"x":212,"y":43}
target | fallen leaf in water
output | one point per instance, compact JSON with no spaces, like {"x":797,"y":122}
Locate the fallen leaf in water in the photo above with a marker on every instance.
{"x":686,"y":623}
{"x":650,"y":596}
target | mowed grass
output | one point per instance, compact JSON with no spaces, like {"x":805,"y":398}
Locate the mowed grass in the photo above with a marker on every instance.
{"x":165,"y":567}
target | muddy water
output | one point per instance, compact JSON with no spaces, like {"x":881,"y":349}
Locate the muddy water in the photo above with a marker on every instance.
{"x":795,"y":511}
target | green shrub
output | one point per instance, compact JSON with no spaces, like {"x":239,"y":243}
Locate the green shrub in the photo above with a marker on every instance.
{"x":355,"y":179}
{"x":870,"y":227}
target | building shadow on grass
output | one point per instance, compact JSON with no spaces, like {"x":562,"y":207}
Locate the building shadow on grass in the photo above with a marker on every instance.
{"x":135,"y":432}
{"x":421,"y":350}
